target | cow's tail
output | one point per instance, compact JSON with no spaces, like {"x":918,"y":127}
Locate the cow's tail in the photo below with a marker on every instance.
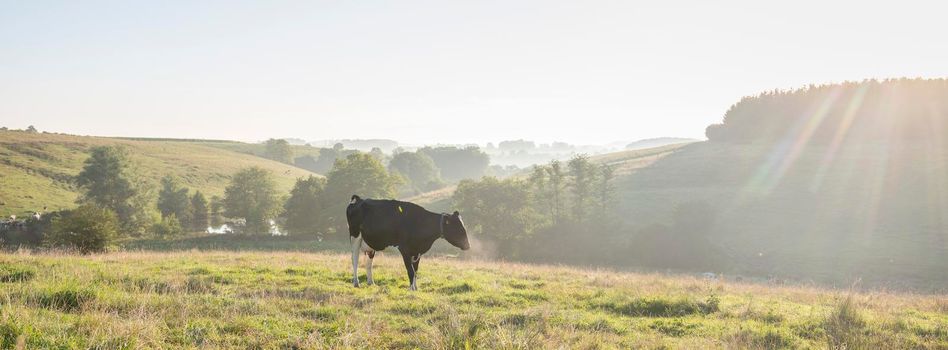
{"x":354,"y":215}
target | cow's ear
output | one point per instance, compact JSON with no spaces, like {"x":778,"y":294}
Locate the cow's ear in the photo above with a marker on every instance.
{"x":456,"y":214}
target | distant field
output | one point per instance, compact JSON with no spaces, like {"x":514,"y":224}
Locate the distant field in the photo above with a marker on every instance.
{"x":197,"y":299}
{"x":625,"y":162}
{"x":36,"y":170}
{"x":258,"y":149}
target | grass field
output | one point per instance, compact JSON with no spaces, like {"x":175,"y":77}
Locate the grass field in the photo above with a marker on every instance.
{"x":36,"y":170}
{"x":267,"y":300}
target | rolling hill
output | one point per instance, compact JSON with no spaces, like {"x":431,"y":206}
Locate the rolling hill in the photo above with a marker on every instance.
{"x":36,"y":169}
{"x":833,"y":183}
{"x":624,"y":161}
{"x":657,"y":142}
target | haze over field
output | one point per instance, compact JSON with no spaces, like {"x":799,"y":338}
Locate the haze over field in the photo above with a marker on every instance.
{"x":427,"y":72}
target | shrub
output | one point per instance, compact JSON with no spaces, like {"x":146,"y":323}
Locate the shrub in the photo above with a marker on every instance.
{"x":673,"y":327}
{"x":845,"y":326}
{"x":764,"y":337}
{"x":712,"y":304}
{"x":32,"y":233}
{"x":13,"y":273}
{"x":656,"y":307}
{"x":11,"y":334}
{"x":69,"y":298}
{"x":86,"y":229}
{"x":168,"y":226}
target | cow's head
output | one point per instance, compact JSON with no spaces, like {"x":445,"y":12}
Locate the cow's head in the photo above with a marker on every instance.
{"x":454,"y":231}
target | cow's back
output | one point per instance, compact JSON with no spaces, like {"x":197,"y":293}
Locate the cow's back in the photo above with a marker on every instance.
{"x":385,"y":222}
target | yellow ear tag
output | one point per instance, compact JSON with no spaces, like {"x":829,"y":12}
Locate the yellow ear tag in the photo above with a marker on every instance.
{"x":400,"y":209}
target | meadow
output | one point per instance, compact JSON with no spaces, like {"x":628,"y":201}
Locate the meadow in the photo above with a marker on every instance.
{"x":37,"y":169}
{"x":305,"y":300}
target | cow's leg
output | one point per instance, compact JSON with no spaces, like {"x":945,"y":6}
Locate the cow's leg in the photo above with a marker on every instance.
{"x":414,"y":266}
{"x":411,"y":271}
{"x":368,"y":267}
{"x":356,"y":247}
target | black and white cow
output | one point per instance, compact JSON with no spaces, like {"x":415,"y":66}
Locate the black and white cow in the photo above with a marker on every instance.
{"x":407,"y":226}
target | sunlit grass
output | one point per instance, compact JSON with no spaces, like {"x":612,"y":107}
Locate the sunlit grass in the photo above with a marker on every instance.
{"x":305,"y":300}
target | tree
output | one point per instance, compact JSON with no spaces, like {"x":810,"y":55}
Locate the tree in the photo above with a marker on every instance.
{"x":87,"y":229}
{"x":168,"y":226}
{"x":496,"y":210}
{"x":516,"y":145}
{"x":109,"y":183}
{"x":557,"y":181}
{"x":326,"y":159}
{"x":199,"y":212}
{"x":217,"y":211}
{"x":143,"y":210}
{"x":605,"y":190}
{"x":173,"y":200}
{"x":361,"y":174}
{"x":279,"y":150}
{"x":306,"y":161}
{"x":252,"y":195}
{"x":540,"y":187}
{"x":31,"y":129}
{"x":583,"y":176}
{"x":547,"y":183}
{"x":458,"y":163}
{"x":378,"y":154}
{"x":419,"y":169}
{"x":300,"y":210}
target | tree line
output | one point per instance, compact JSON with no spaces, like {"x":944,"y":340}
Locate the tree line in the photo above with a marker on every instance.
{"x":871,"y":110}
{"x":423,"y":170}
{"x":558,"y":208}
{"x":115,"y":202}
{"x":560,"y":211}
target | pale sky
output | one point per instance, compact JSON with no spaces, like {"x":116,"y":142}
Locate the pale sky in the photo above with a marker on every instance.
{"x":438,"y":71}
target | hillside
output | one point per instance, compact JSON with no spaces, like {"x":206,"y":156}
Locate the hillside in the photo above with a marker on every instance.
{"x":624,"y":161}
{"x":842,"y":183}
{"x":258,"y":149}
{"x":196,"y":299}
{"x":36,"y":169}
{"x":657,"y":142}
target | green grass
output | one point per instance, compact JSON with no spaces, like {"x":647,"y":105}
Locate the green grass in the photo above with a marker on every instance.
{"x":231,"y":242}
{"x":257,"y":149}
{"x":36,"y":170}
{"x":267,"y":300}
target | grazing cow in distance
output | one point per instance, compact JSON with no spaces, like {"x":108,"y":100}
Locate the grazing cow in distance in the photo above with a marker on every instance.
{"x":407,"y":226}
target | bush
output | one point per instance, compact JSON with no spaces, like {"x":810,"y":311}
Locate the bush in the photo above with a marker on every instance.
{"x":10,"y":334}
{"x":168,"y":226}
{"x":86,"y":229}
{"x":763,"y":337}
{"x":69,"y":298}
{"x":31,"y":234}
{"x":14,"y":273}
{"x":845,"y":326}
{"x":655,"y":307}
